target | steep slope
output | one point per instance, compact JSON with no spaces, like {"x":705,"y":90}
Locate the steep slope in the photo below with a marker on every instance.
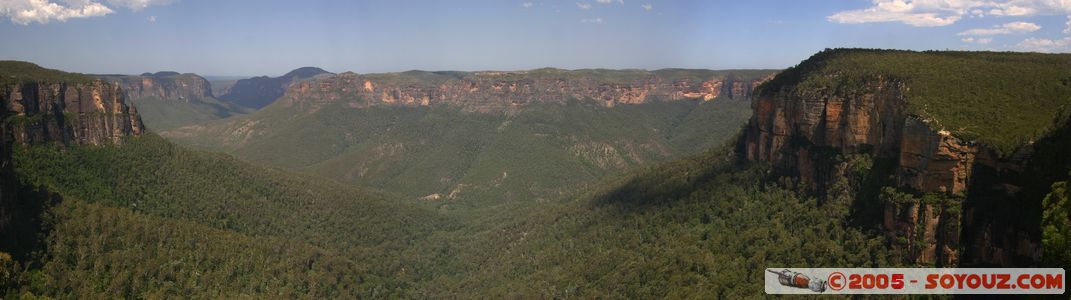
{"x":1056,"y":225}
{"x":93,"y":207}
{"x":965,"y":144}
{"x":698,"y":227}
{"x":482,"y":143}
{"x":258,"y":92}
{"x":168,"y":100}
{"x":39,"y":105}
{"x":234,"y":227}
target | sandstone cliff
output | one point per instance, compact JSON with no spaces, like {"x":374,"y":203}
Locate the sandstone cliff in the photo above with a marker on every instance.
{"x":501,"y":91}
{"x":163,"y":85}
{"x":949,"y":201}
{"x":92,"y":113}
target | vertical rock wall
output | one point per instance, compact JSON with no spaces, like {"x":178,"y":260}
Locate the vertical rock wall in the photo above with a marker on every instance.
{"x":802,"y":132}
{"x":91,"y":113}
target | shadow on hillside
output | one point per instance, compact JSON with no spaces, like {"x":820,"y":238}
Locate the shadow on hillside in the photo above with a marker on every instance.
{"x":23,"y":225}
{"x":22,"y":207}
{"x":670,"y":182}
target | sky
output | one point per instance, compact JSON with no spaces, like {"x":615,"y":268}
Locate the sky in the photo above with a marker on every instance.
{"x":262,"y":37}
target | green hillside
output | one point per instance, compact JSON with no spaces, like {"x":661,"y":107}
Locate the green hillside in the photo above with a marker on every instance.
{"x":166,"y":114}
{"x":149,"y":218}
{"x":1003,"y":99}
{"x":97,"y":250}
{"x":12,"y":71}
{"x":700,"y":227}
{"x":543,"y":151}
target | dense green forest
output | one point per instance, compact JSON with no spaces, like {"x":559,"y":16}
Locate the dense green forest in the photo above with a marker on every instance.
{"x":150,"y":219}
{"x":118,"y":199}
{"x":703,"y":227}
{"x":1056,"y":224}
{"x":471,"y":159}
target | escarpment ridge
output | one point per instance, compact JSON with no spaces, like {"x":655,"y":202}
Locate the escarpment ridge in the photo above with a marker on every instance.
{"x":492,"y":91}
{"x":959,"y":156}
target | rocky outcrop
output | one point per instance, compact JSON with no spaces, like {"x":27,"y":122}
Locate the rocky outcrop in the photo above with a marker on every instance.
{"x":743,"y":88}
{"x":791,"y":130}
{"x":92,"y":113}
{"x":502,"y":91}
{"x":927,"y":232}
{"x":164,"y":86}
{"x":958,"y":193}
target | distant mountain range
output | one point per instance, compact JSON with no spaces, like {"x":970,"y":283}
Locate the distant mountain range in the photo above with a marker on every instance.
{"x":258,"y":92}
{"x":170,"y":99}
{"x":462,"y":138}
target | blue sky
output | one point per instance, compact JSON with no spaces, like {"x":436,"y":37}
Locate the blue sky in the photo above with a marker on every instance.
{"x":238,"y":37}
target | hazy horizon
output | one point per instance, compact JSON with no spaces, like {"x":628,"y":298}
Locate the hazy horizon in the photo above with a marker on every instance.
{"x":255,"y":38}
{"x":231,"y":77}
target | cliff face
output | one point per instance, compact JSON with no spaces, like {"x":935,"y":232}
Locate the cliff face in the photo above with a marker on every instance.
{"x":955,"y":188}
{"x":164,"y":85}
{"x":91,"y":113}
{"x":500,"y":91}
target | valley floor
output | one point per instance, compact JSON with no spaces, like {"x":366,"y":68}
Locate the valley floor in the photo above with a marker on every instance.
{"x":694,"y":227}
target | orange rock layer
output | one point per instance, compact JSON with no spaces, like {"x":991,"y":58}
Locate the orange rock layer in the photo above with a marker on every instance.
{"x":801,"y":133}
{"x":487,"y":92}
{"x":87,"y":113}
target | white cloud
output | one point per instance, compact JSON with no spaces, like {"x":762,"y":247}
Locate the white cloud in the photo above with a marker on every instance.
{"x":593,"y":21}
{"x":604,"y":1}
{"x":139,"y":4}
{"x":905,"y":11}
{"x":1009,"y":28}
{"x":527,"y":4}
{"x":24,"y":12}
{"x":1045,"y":45}
{"x":925,"y":13}
{"x":1014,"y":11}
{"x":982,"y":41}
{"x":647,"y":7}
{"x":583,"y":5}
{"x":1068,"y":29}
{"x":896,"y":11}
{"x":152,"y":19}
